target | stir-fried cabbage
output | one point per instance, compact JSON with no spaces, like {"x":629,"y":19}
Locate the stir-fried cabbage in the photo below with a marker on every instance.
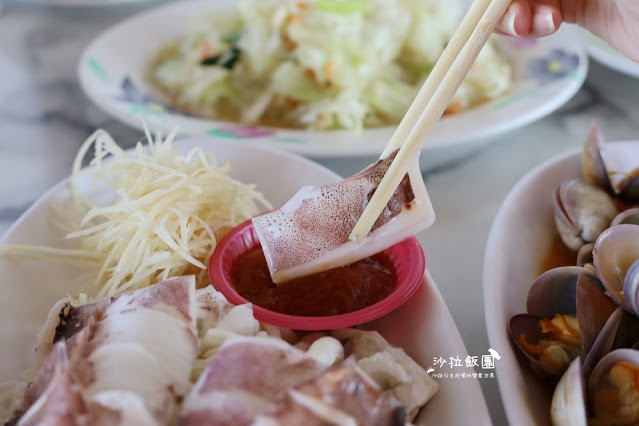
{"x":321,"y":64}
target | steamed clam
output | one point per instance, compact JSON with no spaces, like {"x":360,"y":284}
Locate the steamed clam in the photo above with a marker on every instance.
{"x":581,"y":328}
{"x":610,"y":396}
{"x":627,"y":217}
{"x":613,"y":387}
{"x":617,"y":175}
{"x":592,"y":162}
{"x":567,"y":308}
{"x":615,"y":256}
{"x":584,"y":256}
{"x":568,"y":405}
{"x":582,"y":212}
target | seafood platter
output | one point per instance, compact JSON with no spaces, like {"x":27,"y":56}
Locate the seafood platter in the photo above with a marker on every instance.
{"x":180,"y":283}
{"x":567,"y":288}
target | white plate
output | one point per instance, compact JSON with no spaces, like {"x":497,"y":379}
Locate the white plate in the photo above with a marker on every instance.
{"x":522,"y":233}
{"x":547,"y":72}
{"x":423,"y":326}
{"x":608,"y":55}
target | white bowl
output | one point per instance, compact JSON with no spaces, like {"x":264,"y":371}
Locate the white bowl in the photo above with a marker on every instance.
{"x":124,"y":51}
{"x":423,"y":326}
{"x":522,"y":233}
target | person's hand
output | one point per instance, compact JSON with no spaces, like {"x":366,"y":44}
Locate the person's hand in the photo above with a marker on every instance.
{"x":616,"y":21}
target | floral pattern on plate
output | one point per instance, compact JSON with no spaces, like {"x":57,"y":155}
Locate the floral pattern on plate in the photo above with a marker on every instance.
{"x":557,"y":65}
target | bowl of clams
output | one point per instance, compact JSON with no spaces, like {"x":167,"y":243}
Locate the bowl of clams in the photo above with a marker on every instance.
{"x":561,"y":288}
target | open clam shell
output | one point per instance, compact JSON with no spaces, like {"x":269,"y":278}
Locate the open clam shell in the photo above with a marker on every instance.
{"x":615,"y":175}
{"x":584,"y":255}
{"x":528,"y":325}
{"x":582,"y":211}
{"x":618,"y":355}
{"x":568,"y":405}
{"x":627,"y":217}
{"x":620,"y":331}
{"x":594,"y":309}
{"x":631,"y":286}
{"x":613,"y":388}
{"x":592,"y":163}
{"x":570,"y":291}
{"x":629,"y":191}
{"x":555,"y":291}
{"x":604,"y":342}
{"x":616,"y":249}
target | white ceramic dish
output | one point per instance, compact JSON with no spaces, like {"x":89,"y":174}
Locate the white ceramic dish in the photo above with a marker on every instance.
{"x":609,"y":56}
{"x":547,"y":72}
{"x":423,"y":326}
{"x":522,"y":233}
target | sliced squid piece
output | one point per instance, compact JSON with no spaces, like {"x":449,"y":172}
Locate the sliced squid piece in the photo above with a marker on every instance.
{"x":343,"y":395}
{"x":67,"y":357}
{"x":122,"y":361}
{"x":219,"y":321}
{"x":212,"y":306}
{"x":119,"y":407}
{"x":390,"y":367}
{"x":243,"y":378}
{"x":60,"y":401}
{"x":310,"y":232}
{"x":63,"y":322}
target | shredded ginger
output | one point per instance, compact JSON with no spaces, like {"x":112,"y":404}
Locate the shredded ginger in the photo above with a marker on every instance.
{"x":169,"y":213}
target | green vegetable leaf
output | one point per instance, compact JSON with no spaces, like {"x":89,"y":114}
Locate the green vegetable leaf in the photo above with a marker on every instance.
{"x":227,"y":60}
{"x":420,"y":70}
{"x":340,"y":6}
{"x":233,"y":37}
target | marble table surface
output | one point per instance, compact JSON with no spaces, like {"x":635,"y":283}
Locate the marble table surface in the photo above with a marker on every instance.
{"x":44,"y":117}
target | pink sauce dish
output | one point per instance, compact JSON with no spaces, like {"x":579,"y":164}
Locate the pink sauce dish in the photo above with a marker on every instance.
{"x":407,"y":258}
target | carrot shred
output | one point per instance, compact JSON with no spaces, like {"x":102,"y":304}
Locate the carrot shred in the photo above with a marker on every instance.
{"x":454,"y":107}
{"x":328,"y":70}
{"x":308,"y":72}
{"x":206,"y":49}
{"x":288,"y":43}
{"x":295,"y":19}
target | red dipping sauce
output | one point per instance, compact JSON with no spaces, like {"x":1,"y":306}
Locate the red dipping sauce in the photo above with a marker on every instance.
{"x":336,"y":291}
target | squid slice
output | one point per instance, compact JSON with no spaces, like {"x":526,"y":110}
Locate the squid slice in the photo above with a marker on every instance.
{"x":119,"y":407}
{"x":310,"y":233}
{"x":125,"y":360}
{"x":212,"y":306}
{"x":391,"y":368}
{"x":59,"y":398}
{"x":243,"y":378}
{"x":342,"y":395}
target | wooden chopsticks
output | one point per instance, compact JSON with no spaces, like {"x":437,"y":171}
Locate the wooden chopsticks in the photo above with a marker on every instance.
{"x":431,"y":101}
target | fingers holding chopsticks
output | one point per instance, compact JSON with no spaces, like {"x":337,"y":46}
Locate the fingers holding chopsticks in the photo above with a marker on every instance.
{"x":615,"y":21}
{"x":527,"y":18}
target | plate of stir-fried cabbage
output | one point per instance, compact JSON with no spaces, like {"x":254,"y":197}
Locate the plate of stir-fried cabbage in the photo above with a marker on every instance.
{"x":323,"y":78}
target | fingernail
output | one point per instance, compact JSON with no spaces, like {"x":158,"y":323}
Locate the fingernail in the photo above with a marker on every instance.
{"x":544,"y":22}
{"x":511,"y":23}
{"x":511,"y":15}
